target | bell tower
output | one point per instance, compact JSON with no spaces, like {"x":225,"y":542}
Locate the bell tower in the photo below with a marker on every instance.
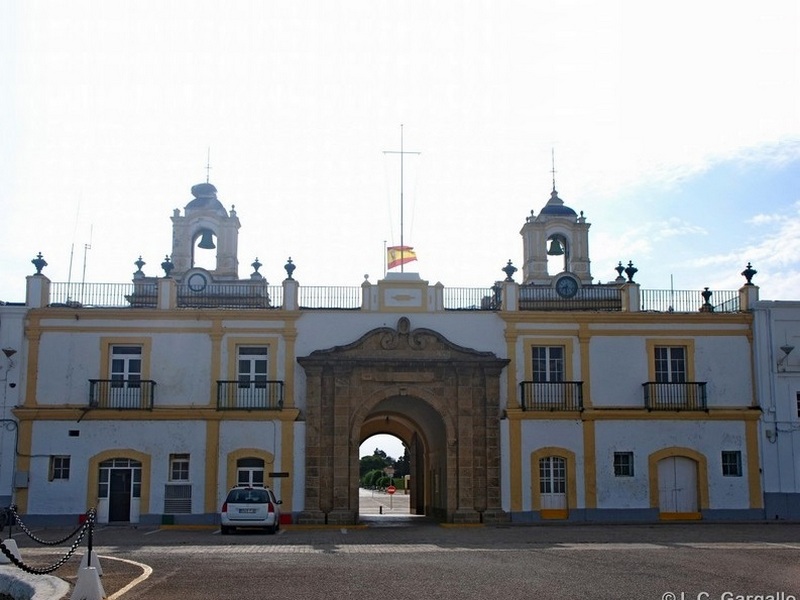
{"x":558,"y":231}
{"x":206,"y":225}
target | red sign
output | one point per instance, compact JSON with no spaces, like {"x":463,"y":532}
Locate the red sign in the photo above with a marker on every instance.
{"x":391,"y":489}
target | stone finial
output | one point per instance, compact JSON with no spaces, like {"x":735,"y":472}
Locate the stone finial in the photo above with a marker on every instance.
{"x":40,"y":263}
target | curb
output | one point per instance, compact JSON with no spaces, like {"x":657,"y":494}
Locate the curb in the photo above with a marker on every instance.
{"x":19,"y":584}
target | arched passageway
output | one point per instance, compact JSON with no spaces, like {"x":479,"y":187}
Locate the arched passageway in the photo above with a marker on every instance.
{"x":441,"y":399}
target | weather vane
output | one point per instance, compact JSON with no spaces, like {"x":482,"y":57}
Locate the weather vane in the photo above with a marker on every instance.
{"x":208,"y":165}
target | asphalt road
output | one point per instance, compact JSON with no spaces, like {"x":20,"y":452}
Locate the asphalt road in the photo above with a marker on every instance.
{"x":401,"y":558}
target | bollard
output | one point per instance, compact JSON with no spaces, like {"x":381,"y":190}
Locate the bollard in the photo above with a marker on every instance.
{"x":90,"y":560}
{"x":11,"y":546}
{"x":88,"y":586}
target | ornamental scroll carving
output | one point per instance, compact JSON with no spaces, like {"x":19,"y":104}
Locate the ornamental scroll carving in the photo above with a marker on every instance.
{"x":392,"y":340}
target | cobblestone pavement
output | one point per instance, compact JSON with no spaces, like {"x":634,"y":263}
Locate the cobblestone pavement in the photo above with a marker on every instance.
{"x":419,"y":559}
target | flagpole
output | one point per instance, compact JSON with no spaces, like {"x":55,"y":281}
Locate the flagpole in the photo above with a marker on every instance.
{"x":402,"y":154}
{"x":402,"y":242}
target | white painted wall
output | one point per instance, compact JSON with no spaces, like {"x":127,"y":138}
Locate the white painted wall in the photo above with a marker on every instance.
{"x":179,"y":365}
{"x":12,"y":381}
{"x":777,"y":324}
{"x":159,"y":439}
{"x":644,"y":438}
{"x":540,"y":434}
{"x":263,"y":435}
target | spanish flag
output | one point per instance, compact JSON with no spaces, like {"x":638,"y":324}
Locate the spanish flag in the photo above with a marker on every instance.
{"x":400,"y":255}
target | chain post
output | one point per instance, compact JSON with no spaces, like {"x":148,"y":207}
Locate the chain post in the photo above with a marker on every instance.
{"x":90,"y":539}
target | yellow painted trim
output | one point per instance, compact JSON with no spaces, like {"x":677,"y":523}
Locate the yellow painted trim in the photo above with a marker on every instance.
{"x":286,"y":464}
{"x":290,"y":362}
{"x":631,"y":319}
{"x":215,"y":372}
{"x":386,"y":287}
{"x":105,"y":353}
{"x":753,"y":470}
{"x":572,"y":482}
{"x":529,"y":342}
{"x":150,"y":315}
{"x":25,"y":444}
{"x":269,"y":464}
{"x":211,"y":466}
{"x":512,"y":402}
{"x":33,"y":335}
{"x":589,"y":464}
{"x":546,"y":415}
{"x":687,"y":516}
{"x":75,"y":413}
{"x":94,"y":475}
{"x":687,"y":343}
{"x":640,"y":414}
{"x":233,"y":343}
{"x":584,"y":339}
{"x":515,"y":463}
{"x":702,"y":473}
{"x":553,"y":514}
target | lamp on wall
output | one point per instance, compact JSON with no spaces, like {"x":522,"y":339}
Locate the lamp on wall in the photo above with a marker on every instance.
{"x":786,"y":349}
{"x":9,"y":352}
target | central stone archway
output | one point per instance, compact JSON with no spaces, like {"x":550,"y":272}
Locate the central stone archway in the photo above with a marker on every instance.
{"x":445,"y":395}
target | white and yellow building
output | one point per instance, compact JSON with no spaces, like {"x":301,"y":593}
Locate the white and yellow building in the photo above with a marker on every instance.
{"x":555,"y":398}
{"x":777,"y":367}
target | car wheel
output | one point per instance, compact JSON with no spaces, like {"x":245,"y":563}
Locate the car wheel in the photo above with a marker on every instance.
{"x":272,"y":529}
{"x":225,"y":530}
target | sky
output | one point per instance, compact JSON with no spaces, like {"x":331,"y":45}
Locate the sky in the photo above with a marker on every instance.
{"x":388,"y":443}
{"x":674,"y":127}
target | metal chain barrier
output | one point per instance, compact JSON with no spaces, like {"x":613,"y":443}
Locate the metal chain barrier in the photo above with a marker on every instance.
{"x":24,"y":528}
{"x":88,"y":526}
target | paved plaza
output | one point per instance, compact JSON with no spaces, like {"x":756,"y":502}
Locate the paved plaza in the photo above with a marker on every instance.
{"x":395,"y":556}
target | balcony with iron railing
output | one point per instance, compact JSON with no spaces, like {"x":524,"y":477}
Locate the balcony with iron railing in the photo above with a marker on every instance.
{"x":675,"y":396}
{"x":551,"y":396}
{"x":249,"y":395}
{"x":122,"y":394}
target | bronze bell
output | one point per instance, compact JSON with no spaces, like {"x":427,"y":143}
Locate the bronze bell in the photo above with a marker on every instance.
{"x":207,"y":241}
{"x":556,"y":249}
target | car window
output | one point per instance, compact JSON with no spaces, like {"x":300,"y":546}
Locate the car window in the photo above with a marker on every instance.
{"x":248,"y":497}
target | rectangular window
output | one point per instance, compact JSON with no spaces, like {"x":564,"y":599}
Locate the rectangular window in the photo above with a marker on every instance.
{"x":252,"y":366}
{"x":179,"y":467}
{"x":548,"y":364}
{"x":623,"y":464}
{"x":798,"y":403}
{"x":670,"y":364}
{"x":59,"y":467}
{"x":126,"y":366}
{"x":731,"y":463}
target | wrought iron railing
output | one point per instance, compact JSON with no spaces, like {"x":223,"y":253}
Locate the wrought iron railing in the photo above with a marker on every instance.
{"x":327,"y":297}
{"x":460,"y":298}
{"x":144,"y":294}
{"x":106,"y":295}
{"x":123,"y":394}
{"x":687,"y":301}
{"x":249,"y":395}
{"x":590,"y":297}
{"x":555,"y":396}
{"x":675,"y":396}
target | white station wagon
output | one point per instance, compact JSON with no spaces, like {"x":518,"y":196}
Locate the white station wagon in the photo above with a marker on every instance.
{"x":248,"y":506}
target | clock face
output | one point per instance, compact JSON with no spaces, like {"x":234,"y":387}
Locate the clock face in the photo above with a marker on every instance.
{"x":566,"y":286}
{"x":197,"y":282}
